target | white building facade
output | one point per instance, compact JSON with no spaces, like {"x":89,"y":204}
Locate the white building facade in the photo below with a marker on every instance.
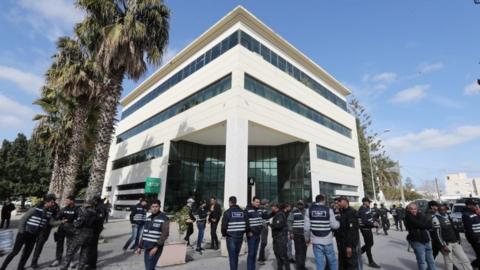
{"x":459,"y":185}
{"x":239,"y":102}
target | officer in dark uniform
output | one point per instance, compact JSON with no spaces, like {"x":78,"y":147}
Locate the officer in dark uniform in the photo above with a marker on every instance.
{"x":296,"y":223}
{"x":401,"y":216}
{"x":348,"y":238}
{"x":266,"y":215}
{"x":66,"y":216}
{"x":376,"y":216}
{"x":383,"y":213}
{"x":234,"y":224}
{"x":254,"y":230}
{"x":471,"y":224}
{"x":84,"y":226}
{"x":44,"y":234}
{"x":366,"y":223}
{"x":280,"y":236}
{"x":202,"y":213}
{"x":138,"y":215}
{"x":155,"y":233}
{"x":31,"y":223}
{"x":92,"y":252}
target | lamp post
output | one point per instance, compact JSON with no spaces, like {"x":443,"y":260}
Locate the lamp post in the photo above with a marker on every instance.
{"x":371,"y":167}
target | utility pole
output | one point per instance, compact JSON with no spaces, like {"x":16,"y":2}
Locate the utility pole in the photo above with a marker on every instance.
{"x":436,"y":186}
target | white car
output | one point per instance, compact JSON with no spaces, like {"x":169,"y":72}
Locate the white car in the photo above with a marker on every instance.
{"x":456,"y":215}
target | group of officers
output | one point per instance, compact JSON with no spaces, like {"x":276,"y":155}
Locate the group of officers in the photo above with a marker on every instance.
{"x":77,"y":227}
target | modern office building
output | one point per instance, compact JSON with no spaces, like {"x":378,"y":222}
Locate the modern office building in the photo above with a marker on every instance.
{"x":239,"y":102}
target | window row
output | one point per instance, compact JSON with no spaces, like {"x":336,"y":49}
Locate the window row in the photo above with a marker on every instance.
{"x":270,"y":56}
{"x":195,"y":65}
{"x":334,"y":156}
{"x":202,"y":95}
{"x":139,"y":185}
{"x":274,"y":95}
{"x":138,"y":157}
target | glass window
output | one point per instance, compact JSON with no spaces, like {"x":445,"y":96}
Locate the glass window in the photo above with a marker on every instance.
{"x":334,"y":156}
{"x":138,"y":157}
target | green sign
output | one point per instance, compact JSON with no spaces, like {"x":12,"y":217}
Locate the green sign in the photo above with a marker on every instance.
{"x":152,"y":185}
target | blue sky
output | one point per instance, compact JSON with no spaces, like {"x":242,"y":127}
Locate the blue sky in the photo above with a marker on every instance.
{"x":412,"y":63}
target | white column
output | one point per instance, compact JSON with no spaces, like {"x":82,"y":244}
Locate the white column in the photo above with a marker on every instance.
{"x":163,"y":172}
{"x":315,"y":175}
{"x":236,"y":159}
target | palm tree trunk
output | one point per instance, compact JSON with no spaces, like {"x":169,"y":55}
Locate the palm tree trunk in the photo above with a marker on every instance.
{"x":78,"y":141}
{"x":106,"y":128}
{"x":58,"y":172}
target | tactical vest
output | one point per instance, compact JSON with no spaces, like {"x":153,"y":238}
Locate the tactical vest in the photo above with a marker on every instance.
{"x":448,"y":233}
{"x":36,"y":222}
{"x":255,"y":220}
{"x":153,"y":230}
{"x":69,"y":213}
{"x":202,"y":215}
{"x":140,"y":214}
{"x":475,"y":221}
{"x":236,"y":224}
{"x":319,"y":220}
{"x":298,"y":221}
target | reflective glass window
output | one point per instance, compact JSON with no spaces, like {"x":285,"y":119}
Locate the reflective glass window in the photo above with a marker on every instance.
{"x":334,"y":156}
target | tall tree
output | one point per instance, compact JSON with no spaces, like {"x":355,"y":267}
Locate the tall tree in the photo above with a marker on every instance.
{"x":76,"y":76}
{"x":123,"y":35}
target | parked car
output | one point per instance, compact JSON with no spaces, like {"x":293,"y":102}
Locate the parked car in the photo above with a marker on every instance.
{"x":456,"y":215}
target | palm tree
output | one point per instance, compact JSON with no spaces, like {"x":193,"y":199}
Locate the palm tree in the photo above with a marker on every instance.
{"x":76,"y":76}
{"x":123,"y":35}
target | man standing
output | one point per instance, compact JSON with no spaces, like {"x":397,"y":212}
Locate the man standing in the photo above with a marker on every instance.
{"x":138,"y":216}
{"x":155,"y":233}
{"x":393,"y":210}
{"x":44,"y":234}
{"x":254,"y":229}
{"x":348,"y":238}
{"x":92,"y":252}
{"x":449,"y":239}
{"x":296,"y":223}
{"x":376,"y":216}
{"x":266,"y":215}
{"x":288,"y":212}
{"x":418,"y":237}
{"x":67,"y":216}
{"x":30,"y":226}
{"x":280,"y":236}
{"x":234,"y":224}
{"x":366,"y":223}
{"x":430,"y":213}
{"x":215,"y":213}
{"x":383,"y":213}
{"x":401,"y":216}
{"x":319,"y":223}
{"x":83,"y":236}
{"x":202,"y":213}
{"x":189,"y":219}
{"x":471,"y":223}
{"x":7,"y":209}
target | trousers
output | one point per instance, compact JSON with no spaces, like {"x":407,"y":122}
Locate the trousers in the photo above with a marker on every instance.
{"x":263,"y":243}
{"x":368,"y":240}
{"x":300,"y":250}
{"x":151,"y":261}
{"x":22,"y":239}
{"x":41,"y":240}
{"x":60,"y":238}
{"x":457,"y":252}
{"x":281,"y":253}
{"x":213,"y":234}
{"x":81,"y":241}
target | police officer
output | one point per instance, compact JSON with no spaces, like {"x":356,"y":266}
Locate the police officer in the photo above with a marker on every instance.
{"x":155,"y":233}
{"x":84,"y":226}
{"x":138,"y":216}
{"x":31,"y":223}
{"x":67,"y":216}
{"x":401,"y":216}
{"x":376,"y":216}
{"x":296,"y":223}
{"x":44,"y":234}
{"x":201,"y":218}
{"x":234,"y":224}
{"x":471,"y":224}
{"x":366,"y":223}
{"x":280,"y":236}
{"x":348,"y":238}
{"x":254,"y":229}
{"x":383,"y":213}
{"x":266,"y":215}
{"x":92,"y":252}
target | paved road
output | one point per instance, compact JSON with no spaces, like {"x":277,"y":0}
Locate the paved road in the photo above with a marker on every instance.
{"x":389,"y":251}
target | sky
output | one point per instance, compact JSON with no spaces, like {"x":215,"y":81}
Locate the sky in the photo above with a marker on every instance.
{"x":412,"y":64}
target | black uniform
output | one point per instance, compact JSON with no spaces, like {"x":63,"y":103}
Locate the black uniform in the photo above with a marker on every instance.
{"x":214,"y":219}
{"x":6,"y":214}
{"x":65,"y":230}
{"x":383,"y":213}
{"x":266,"y":215}
{"x":348,"y":237}
{"x":401,"y":217}
{"x":97,"y":230}
{"x":30,"y":226}
{"x":436,"y":245}
{"x":83,"y":236}
{"x":471,"y":224}
{"x":44,"y":234}
{"x":280,"y":239}
{"x":366,"y":223}
{"x":297,"y":229}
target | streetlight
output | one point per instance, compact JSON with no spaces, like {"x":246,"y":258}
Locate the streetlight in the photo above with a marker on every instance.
{"x":371,"y":165}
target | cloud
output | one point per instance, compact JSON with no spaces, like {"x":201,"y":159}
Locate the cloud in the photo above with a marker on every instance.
{"x":13,"y":114}
{"x":28,"y":82}
{"x":472,"y":89}
{"x":425,"y":68}
{"x":446,"y":102}
{"x":385,"y":77}
{"x":433,"y":139}
{"x":412,"y":94}
{"x":52,"y":18}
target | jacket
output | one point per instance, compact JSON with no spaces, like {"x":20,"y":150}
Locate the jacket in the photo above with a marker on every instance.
{"x":279,"y":225}
{"x":365,"y":218}
{"x":417,"y":227}
{"x":215,"y":213}
{"x":471,"y":223}
{"x":234,"y":222}
{"x":444,"y":231}
{"x":7,"y":210}
{"x":254,"y":220}
{"x":138,"y":214}
{"x":348,"y":234}
{"x":156,"y":231}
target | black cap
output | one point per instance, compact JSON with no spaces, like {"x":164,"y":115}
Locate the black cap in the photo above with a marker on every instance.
{"x":470,"y":202}
{"x":366,"y":199}
{"x":50,"y":197}
{"x":433,"y":203}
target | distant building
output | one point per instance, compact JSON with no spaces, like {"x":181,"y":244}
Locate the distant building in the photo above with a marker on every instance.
{"x":459,"y":185}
